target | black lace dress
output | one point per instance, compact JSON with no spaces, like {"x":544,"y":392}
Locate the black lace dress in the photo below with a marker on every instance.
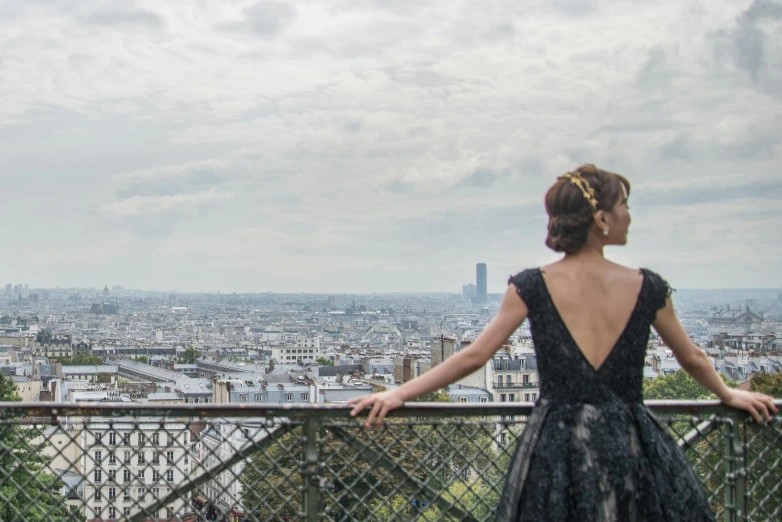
{"x":591,"y":451}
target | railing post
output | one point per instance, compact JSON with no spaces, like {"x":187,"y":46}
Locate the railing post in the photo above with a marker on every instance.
{"x":735,"y":473}
{"x":310,"y":469}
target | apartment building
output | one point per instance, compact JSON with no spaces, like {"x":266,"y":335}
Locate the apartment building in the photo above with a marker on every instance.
{"x":130,"y":464}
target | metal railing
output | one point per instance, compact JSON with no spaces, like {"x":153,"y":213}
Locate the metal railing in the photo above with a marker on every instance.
{"x":430,"y":461}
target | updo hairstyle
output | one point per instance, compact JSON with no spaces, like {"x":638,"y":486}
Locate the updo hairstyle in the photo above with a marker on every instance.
{"x":569,"y":211}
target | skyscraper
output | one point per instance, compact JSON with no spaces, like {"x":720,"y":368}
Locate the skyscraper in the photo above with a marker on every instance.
{"x":480,"y":276}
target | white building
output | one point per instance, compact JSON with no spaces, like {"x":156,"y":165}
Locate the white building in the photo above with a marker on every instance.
{"x":130,"y":464}
{"x":292,"y":354}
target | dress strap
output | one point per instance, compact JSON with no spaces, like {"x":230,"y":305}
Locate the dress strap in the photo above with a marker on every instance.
{"x":526,"y":283}
{"x":656,"y":291}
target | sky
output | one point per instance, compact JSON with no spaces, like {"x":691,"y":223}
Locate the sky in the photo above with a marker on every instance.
{"x":364,"y":146}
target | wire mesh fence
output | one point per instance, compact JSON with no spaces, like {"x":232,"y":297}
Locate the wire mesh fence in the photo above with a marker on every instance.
{"x":429,"y":462}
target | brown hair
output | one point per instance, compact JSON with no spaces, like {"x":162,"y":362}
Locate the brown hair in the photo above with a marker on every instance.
{"x":571,"y":215}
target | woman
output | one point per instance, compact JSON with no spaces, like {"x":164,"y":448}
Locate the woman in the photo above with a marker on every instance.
{"x":590,"y":451}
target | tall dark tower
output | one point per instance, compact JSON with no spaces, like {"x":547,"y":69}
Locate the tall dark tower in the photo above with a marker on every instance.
{"x":480,"y":283}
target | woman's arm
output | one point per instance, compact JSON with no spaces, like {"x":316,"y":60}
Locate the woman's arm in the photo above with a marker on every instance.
{"x":697,"y":364}
{"x":512,"y":313}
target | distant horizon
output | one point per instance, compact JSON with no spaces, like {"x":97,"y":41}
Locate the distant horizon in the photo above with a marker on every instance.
{"x":220,"y":292}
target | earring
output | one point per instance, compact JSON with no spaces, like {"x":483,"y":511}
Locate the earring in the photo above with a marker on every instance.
{"x":605,"y":231}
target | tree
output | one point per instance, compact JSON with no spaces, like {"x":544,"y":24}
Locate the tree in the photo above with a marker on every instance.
{"x":142,"y":359}
{"x":27,"y":492}
{"x":79,"y":359}
{"x":190,"y":355}
{"x":680,"y":385}
{"x":435,"y":453}
{"x":324,"y":361}
{"x":768,"y":383}
{"x":703,"y":456}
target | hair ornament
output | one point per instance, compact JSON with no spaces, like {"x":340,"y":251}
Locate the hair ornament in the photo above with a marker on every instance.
{"x":586,"y":189}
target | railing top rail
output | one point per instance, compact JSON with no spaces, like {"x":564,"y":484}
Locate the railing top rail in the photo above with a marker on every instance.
{"x":418,"y":409}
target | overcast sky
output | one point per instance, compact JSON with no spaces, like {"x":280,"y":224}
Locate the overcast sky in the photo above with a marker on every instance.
{"x":374,"y":146}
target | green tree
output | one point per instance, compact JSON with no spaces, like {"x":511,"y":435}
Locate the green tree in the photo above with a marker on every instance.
{"x":324,"y":361}
{"x":142,"y":359}
{"x":679,"y":385}
{"x":705,"y":456}
{"x":768,"y":383}
{"x":190,"y":355}
{"x":434,"y":453}
{"x":79,"y":359}
{"x":27,"y":492}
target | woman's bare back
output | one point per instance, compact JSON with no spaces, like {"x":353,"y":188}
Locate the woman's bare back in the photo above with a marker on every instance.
{"x":595,"y":302}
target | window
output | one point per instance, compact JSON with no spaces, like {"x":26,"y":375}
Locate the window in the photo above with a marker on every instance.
{"x":502,"y":438}
{"x":534,"y":397}
{"x":112,"y":512}
{"x":126,"y":496}
{"x":155,"y":457}
{"x":141,"y":440}
{"x":170,"y":457}
{"x":288,"y":397}
{"x":141,"y":493}
{"x":141,"y":459}
{"x":113,"y":438}
{"x":484,"y":399}
{"x":126,"y":439}
{"x":98,"y":476}
{"x":126,"y":509}
{"x":507,"y":380}
{"x":126,"y":458}
{"x":156,"y":439}
{"x":98,"y":458}
{"x":258,"y":397}
{"x":305,"y":397}
{"x":98,"y":438}
{"x":526,"y":397}
{"x":499,"y":381}
{"x":512,"y":397}
{"x":462,"y":399}
{"x":185,"y":438}
{"x":502,"y":397}
{"x":243,"y":397}
{"x":525,"y":379}
{"x":125,"y":475}
{"x":170,"y":475}
{"x":112,"y":458}
{"x":155,"y":476}
{"x":156,"y":493}
{"x":112,"y":494}
{"x":112,"y":475}
{"x":142,"y":475}
{"x":97,"y":496}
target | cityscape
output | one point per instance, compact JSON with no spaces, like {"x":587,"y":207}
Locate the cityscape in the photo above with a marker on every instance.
{"x":225,"y":221}
{"x":114,"y":345}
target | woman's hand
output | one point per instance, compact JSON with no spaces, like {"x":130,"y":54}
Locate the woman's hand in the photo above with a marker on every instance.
{"x":758,"y":405}
{"x":379,"y":404}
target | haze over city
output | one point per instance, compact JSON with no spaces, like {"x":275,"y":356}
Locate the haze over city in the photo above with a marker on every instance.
{"x":359,"y":147}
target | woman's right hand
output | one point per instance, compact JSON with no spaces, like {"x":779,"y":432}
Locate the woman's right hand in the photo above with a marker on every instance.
{"x":759,"y":405}
{"x":379,"y":404}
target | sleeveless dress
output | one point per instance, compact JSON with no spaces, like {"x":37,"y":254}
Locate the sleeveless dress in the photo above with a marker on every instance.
{"x":591,"y":451}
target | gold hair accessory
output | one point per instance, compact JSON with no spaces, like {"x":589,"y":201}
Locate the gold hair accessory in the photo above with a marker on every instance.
{"x":589,"y":194}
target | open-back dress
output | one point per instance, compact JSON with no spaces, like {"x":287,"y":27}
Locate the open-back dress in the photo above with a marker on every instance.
{"x":591,"y":451}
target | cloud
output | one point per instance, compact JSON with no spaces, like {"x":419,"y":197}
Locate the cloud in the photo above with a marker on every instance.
{"x":266,"y":18}
{"x":117,"y":16}
{"x":357,"y":135}
{"x":146,"y":205}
